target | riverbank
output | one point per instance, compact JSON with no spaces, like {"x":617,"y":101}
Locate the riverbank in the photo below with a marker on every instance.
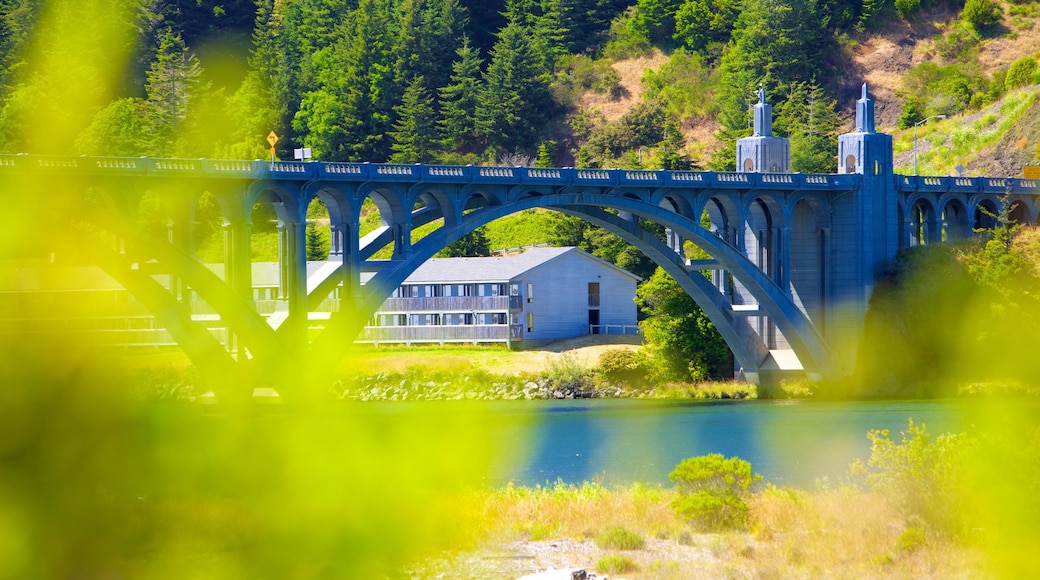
{"x":839,"y":533}
{"x":566,"y":369}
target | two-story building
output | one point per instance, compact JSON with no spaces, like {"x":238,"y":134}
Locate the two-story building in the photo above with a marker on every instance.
{"x":523,"y":299}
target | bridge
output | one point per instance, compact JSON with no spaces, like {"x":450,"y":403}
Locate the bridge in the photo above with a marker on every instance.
{"x":792,"y":257}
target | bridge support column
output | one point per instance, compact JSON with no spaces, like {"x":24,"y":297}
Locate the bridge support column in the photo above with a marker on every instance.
{"x":784,"y":273}
{"x":402,"y":240}
{"x":294,"y":262}
{"x":238,"y":272}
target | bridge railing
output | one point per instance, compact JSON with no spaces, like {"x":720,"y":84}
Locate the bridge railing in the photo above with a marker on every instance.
{"x":943,"y":184}
{"x":259,"y":169}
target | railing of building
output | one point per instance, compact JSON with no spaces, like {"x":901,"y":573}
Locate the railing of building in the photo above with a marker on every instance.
{"x":437,"y":334}
{"x":452,"y":304}
{"x":614,"y":329}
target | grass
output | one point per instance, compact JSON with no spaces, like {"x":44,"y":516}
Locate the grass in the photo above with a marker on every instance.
{"x":952,"y":144}
{"x":616,"y":564}
{"x":620,"y":538}
{"x":707,"y":390}
{"x":844,"y":532}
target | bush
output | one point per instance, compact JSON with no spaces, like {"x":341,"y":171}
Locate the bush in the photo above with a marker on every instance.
{"x":623,"y":366}
{"x":616,"y":564}
{"x":1020,"y":73}
{"x":980,"y":14}
{"x":619,"y":538}
{"x":922,"y":476}
{"x":567,"y":374}
{"x":713,"y":491}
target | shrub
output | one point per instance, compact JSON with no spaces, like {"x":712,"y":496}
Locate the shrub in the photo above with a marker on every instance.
{"x":922,"y":476}
{"x":911,"y":540}
{"x":619,"y":538}
{"x":622,"y":366}
{"x":980,"y":14}
{"x":565,"y":373}
{"x":1020,"y":73}
{"x":616,"y":564}
{"x":713,"y":491}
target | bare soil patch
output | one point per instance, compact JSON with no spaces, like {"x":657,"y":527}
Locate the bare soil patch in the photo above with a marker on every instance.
{"x":630,"y":70}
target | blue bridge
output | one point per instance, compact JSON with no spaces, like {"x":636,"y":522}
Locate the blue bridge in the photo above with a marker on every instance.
{"x":792,"y":258}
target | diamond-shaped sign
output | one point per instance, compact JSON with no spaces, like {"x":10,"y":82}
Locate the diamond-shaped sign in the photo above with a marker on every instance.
{"x":272,"y":138}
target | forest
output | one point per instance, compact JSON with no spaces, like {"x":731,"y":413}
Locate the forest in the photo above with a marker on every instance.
{"x":459,"y":81}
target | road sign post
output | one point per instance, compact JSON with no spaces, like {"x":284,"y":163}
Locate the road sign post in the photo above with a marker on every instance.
{"x":272,"y":138}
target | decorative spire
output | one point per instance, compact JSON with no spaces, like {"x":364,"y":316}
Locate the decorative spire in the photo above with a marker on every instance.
{"x":763,"y":115}
{"x":865,"y":113}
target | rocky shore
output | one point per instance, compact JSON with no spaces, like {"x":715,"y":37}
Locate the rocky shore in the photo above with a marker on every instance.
{"x":393,"y":387}
{"x":385,"y":388}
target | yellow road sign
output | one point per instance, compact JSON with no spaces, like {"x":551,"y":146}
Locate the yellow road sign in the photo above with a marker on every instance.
{"x":272,"y":138}
{"x":1031,"y":172}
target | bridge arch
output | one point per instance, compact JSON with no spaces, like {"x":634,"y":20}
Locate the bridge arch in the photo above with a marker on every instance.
{"x":921,"y":221}
{"x":953,"y":216}
{"x":803,"y":338}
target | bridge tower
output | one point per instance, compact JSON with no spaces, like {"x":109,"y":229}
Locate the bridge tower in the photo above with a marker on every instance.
{"x":865,"y":224}
{"x":763,"y":152}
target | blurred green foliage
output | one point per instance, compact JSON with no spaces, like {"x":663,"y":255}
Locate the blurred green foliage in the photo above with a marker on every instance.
{"x":96,"y":481}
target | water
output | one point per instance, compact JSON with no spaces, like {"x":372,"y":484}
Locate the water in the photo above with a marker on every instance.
{"x":791,"y":443}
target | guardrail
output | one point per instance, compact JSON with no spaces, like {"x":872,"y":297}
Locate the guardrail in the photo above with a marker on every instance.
{"x":943,"y":184}
{"x":419,"y":173}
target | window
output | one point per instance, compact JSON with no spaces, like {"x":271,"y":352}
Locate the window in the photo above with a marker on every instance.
{"x":594,"y":294}
{"x":514,"y":289}
{"x":530,"y":292}
{"x":530,"y":322}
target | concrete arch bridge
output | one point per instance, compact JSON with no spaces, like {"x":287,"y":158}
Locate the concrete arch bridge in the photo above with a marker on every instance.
{"x":792,"y":257}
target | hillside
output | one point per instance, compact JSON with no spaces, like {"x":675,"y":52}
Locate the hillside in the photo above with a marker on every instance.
{"x":1005,"y":134}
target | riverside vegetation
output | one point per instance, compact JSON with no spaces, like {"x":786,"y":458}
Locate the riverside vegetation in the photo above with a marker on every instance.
{"x":921,"y":506}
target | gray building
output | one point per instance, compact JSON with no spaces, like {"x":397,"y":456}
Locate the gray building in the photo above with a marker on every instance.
{"x":524,"y":299}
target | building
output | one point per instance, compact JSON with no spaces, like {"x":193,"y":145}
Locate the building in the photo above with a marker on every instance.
{"x":525,"y":299}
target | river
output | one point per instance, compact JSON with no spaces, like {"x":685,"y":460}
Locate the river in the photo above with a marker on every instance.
{"x":791,"y":443}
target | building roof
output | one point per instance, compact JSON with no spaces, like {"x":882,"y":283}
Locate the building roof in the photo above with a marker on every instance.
{"x":493,"y":268}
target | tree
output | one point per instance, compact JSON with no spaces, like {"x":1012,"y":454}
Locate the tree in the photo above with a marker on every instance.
{"x":459,"y":99}
{"x":655,"y":20}
{"x":808,"y":118}
{"x":118,"y":130}
{"x":678,"y":335}
{"x":261,"y":103}
{"x":515,"y":101}
{"x":415,"y":132}
{"x":348,"y":115}
{"x":703,"y":25}
{"x":473,"y":244}
{"x":981,"y":14}
{"x":775,"y":43}
{"x":318,"y":242}
{"x":174,"y":83}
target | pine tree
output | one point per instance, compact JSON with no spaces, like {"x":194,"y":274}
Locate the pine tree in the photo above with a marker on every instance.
{"x":459,"y":100}
{"x":415,"y":132}
{"x":318,"y":243}
{"x":515,"y":100}
{"x":808,"y":118}
{"x":174,"y":82}
{"x":261,"y":104}
{"x":348,"y":115}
